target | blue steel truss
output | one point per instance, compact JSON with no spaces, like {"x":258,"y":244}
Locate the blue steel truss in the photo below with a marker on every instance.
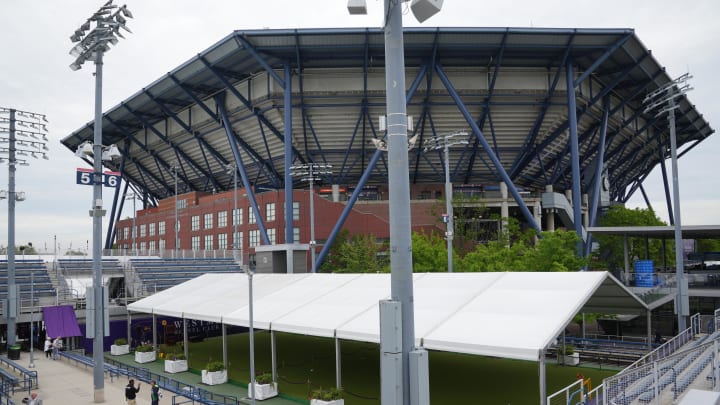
{"x":254,"y":99}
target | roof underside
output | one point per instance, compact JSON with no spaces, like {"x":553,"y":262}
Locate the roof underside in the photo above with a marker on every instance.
{"x":511,"y":81}
{"x":510,"y":315}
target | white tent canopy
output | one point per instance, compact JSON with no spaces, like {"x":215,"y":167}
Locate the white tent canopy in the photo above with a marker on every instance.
{"x":511,"y":315}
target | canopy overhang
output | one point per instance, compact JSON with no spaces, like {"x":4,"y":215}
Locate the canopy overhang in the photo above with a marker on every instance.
{"x":510,"y":315}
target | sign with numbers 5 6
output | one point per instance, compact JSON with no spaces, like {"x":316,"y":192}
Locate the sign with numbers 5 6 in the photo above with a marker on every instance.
{"x":85,"y":177}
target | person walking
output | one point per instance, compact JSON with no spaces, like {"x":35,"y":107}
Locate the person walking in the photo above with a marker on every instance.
{"x":48,"y":348}
{"x":131,"y":391}
{"x":154,"y":393}
{"x":57,"y":346}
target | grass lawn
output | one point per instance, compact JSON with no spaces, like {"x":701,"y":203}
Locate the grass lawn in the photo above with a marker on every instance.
{"x":306,"y":363}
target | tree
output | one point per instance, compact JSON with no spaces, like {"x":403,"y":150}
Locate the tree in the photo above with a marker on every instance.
{"x":359,"y":254}
{"x":555,"y":251}
{"x":429,"y":253}
{"x":611,"y":247}
{"x":332,"y":259}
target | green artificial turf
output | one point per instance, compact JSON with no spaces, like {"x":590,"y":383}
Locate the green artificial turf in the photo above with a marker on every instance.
{"x":306,"y":363}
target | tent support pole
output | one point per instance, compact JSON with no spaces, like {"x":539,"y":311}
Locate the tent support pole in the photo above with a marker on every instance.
{"x":541,"y":366}
{"x":626,"y":256}
{"x":186,"y":343}
{"x":338,"y":364}
{"x":649,"y":329}
{"x":273,"y":355}
{"x":154,"y":332}
{"x":224,"y":344}
{"x":129,"y":332}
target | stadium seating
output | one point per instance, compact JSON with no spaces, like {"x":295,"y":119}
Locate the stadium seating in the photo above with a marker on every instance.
{"x":160,"y":274}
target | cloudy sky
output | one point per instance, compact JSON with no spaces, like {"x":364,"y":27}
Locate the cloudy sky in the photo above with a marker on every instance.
{"x":34,"y":76}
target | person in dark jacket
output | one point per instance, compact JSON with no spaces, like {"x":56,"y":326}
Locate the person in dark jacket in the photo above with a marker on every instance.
{"x":154,"y":392}
{"x":130,"y":391}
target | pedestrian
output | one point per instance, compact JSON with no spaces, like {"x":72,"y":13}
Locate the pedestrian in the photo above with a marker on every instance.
{"x":57,"y":346}
{"x":48,"y":348}
{"x":130,"y":391}
{"x":154,"y":392}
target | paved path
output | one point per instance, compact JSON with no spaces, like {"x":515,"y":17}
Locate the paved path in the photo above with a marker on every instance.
{"x":62,"y":382}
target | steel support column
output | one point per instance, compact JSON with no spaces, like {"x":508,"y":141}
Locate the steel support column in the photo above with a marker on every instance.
{"x":574,"y":154}
{"x":478,"y":133}
{"x":288,"y":163}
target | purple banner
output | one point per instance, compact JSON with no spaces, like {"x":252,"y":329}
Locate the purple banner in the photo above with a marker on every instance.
{"x":60,"y":321}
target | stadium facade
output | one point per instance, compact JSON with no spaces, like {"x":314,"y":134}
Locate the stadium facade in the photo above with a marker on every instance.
{"x":555,"y":121}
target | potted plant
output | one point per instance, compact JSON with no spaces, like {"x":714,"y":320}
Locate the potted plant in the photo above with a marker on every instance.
{"x":570,"y":356}
{"x":214,"y":373}
{"x":144,"y":354}
{"x":265,"y":387}
{"x":120,"y":347}
{"x":332,"y":396}
{"x":175,"y":363}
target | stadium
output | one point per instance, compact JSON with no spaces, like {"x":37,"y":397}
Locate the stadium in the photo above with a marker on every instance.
{"x":553,"y":125}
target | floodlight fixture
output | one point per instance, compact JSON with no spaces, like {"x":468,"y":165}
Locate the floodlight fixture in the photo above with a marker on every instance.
{"x":111,"y":153}
{"x":85,"y":149}
{"x":357,"y":7}
{"x":424,"y":9}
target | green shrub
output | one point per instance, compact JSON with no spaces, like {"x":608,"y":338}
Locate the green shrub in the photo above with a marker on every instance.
{"x":120,"y":342}
{"x":569,"y":350}
{"x":144,"y":348}
{"x":176,"y":356}
{"x":263,"y":378}
{"x":215,"y":366}
{"x":327,"y":395}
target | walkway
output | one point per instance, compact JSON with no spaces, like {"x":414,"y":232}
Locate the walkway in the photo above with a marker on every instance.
{"x":64,"y":382}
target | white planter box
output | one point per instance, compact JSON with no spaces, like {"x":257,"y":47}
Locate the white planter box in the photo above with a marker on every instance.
{"x":214,"y":377}
{"x":176,"y":366}
{"x":119,"y":350}
{"x":321,"y":402}
{"x":264,"y":391}
{"x":572,"y":360}
{"x":144,"y":357}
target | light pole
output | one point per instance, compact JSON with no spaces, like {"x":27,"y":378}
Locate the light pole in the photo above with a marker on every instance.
{"x":32,"y":132}
{"x":233,"y":167}
{"x":396,"y":386}
{"x":134,"y":227}
{"x":252,"y":334}
{"x":108,"y":20}
{"x":310,"y":172}
{"x":445,"y":142}
{"x":664,"y":98}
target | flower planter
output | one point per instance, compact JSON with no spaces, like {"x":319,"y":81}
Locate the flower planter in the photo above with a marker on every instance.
{"x":176,"y":366}
{"x":333,"y":402}
{"x":144,"y":357}
{"x":264,"y":391}
{"x":572,"y":360}
{"x":214,"y":377}
{"x":119,"y":350}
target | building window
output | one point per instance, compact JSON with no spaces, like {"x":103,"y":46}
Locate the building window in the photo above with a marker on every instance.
{"x":195,"y":223}
{"x":296,"y":210}
{"x":151,"y":246}
{"x":254,"y":238}
{"x":161,"y":244}
{"x":181,"y":204}
{"x":161,"y":228}
{"x":208,"y":221}
{"x":143,"y":228}
{"x":126,"y":232}
{"x":151,"y":229}
{"x":222,"y":219}
{"x":237,"y":216}
{"x":251,"y":216}
{"x":239,"y":238}
{"x":222,"y":241}
{"x":271,"y":235}
{"x":296,"y":234}
{"x":195,"y":243}
{"x":142,"y":246}
{"x":209,"y":241}
{"x":270,"y":212}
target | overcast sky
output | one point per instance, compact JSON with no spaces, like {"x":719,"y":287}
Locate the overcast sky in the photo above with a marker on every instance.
{"x":34,"y":76}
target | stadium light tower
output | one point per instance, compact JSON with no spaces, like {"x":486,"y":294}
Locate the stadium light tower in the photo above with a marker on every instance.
{"x":310,"y":172}
{"x":664,"y":99}
{"x":445,"y":142}
{"x":32,"y":132}
{"x":91,"y":44}
{"x":395,"y":370}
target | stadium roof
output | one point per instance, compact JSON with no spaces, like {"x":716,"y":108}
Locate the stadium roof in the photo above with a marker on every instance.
{"x":509,"y":315}
{"x":175,"y":121}
{"x":659,"y":232}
